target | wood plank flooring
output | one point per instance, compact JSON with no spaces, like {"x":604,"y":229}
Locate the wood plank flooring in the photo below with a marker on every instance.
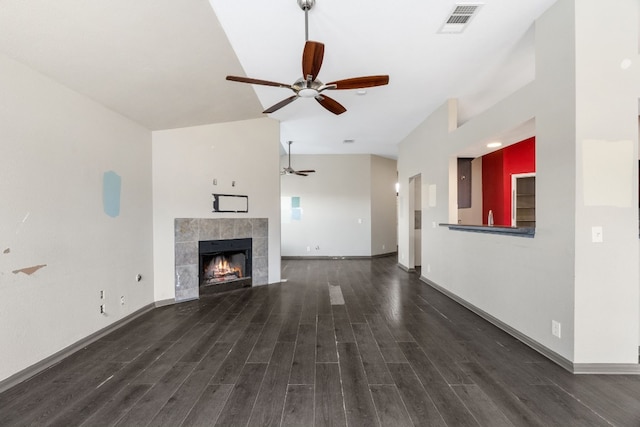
{"x":340,"y":343}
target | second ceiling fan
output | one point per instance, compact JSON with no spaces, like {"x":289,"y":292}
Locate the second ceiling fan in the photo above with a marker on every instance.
{"x":308,"y":86}
{"x":291,"y":171}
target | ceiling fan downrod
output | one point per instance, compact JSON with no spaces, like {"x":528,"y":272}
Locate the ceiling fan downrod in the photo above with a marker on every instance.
{"x":306,"y":5}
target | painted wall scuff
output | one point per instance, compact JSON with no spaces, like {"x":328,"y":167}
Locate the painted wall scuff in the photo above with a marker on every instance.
{"x":29,"y":270}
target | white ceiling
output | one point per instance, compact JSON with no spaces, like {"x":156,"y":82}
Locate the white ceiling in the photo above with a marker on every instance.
{"x":162,"y":63}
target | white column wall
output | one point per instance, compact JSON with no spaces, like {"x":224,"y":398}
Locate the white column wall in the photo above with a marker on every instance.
{"x":185,"y":163}
{"x":607,"y":282}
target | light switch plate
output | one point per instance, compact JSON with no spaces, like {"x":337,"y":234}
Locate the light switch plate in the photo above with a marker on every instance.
{"x":596,"y":234}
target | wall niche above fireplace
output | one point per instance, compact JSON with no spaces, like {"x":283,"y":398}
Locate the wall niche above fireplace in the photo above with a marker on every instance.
{"x":189,"y":232}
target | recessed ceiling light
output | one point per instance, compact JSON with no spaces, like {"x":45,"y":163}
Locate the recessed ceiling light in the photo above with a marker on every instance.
{"x":494,"y":144}
{"x":348,"y":141}
{"x":361,"y":92}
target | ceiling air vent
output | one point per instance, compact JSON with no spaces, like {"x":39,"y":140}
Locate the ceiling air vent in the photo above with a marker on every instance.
{"x":459,"y":18}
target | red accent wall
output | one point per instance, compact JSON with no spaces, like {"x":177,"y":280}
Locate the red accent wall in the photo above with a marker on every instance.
{"x":497,"y":168}
{"x":492,"y":187}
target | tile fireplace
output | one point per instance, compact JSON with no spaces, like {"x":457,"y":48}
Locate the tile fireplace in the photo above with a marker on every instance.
{"x":248,"y":240}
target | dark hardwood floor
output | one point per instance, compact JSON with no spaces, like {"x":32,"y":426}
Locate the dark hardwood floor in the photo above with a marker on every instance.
{"x":389,"y":351}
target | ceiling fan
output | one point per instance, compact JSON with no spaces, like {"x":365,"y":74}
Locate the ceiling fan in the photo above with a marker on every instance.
{"x":308,"y":86}
{"x":290,"y":171}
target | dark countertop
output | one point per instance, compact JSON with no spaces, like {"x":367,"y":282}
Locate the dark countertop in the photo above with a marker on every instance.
{"x":493,"y":229}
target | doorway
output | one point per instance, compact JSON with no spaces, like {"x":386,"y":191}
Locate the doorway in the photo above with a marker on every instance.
{"x":415,"y":222}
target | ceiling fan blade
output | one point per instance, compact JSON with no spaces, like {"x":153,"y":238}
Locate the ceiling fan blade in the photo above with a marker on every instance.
{"x":300,"y":173}
{"x":360,"y":82}
{"x":256,"y":81}
{"x":280,"y":104}
{"x":307,"y":171}
{"x":331,"y":104}
{"x":312,"y":59}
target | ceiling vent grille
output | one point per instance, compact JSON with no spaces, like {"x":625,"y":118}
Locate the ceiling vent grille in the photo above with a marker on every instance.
{"x":459,"y":18}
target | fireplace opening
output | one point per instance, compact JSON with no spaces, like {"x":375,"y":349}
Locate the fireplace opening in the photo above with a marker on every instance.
{"x":224,"y":262}
{"x":222,"y":268}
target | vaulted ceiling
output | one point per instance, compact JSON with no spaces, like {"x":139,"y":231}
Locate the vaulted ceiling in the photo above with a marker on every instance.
{"x":163,"y":63}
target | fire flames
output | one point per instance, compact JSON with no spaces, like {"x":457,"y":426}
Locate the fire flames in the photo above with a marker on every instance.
{"x":221,"y":270}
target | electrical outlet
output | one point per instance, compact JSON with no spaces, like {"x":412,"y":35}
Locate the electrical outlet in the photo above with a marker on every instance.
{"x":122,"y":300}
{"x":308,"y":248}
{"x":103,"y":309}
{"x":101,"y":294}
{"x":556,"y":328}
{"x":138,"y":277}
{"x":384,"y":246}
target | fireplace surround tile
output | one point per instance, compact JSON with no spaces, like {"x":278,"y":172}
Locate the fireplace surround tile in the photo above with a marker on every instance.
{"x":186,"y":252}
{"x":208,"y":230}
{"x":260,"y":247}
{"x":260,"y":227}
{"x":186,"y":282}
{"x":242,"y":229}
{"x":188,"y":231}
{"x":226,"y":229}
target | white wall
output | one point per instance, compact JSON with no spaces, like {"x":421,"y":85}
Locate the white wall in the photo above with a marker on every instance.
{"x":185,"y":163}
{"x":56,"y":146}
{"x":607,"y":282}
{"x":558,"y":275}
{"x":338,"y":206}
{"x":384,"y":174}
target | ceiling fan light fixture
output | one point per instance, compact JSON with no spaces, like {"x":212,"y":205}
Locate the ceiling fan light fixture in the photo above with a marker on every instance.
{"x":307,"y":93}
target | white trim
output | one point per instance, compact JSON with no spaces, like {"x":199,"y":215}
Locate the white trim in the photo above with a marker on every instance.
{"x":574,"y":368}
{"x":514,"y":177}
{"x":55,"y":358}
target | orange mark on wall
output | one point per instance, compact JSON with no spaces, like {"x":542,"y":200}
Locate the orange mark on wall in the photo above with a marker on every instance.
{"x":29,"y":270}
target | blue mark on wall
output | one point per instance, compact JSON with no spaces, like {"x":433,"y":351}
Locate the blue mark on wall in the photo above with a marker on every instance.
{"x":111,"y":184}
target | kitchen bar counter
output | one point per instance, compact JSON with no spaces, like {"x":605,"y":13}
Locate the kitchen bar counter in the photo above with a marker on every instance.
{"x":494,"y":229}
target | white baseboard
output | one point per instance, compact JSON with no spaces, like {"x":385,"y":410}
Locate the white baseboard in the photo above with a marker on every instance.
{"x":38,"y":367}
{"x":574,"y":368}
